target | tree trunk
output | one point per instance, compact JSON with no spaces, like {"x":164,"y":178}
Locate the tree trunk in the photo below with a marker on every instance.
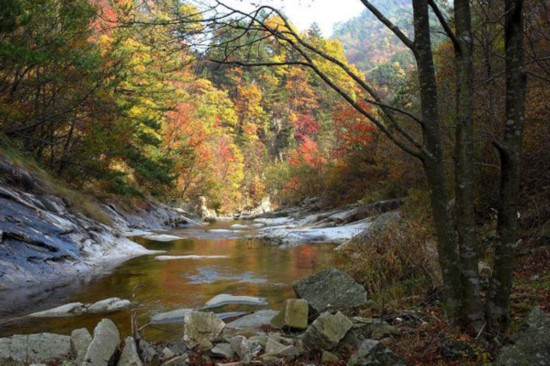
{"x":433,"y":162}
{"x":472,"y":309}
{"x":510,"y":153}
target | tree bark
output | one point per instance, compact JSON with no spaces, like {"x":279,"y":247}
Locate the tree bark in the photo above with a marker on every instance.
{"x":510,"y":152}
{"x":472,"y":309}
{"x":433,"y":162}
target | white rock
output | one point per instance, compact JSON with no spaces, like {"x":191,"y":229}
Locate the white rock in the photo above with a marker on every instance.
{"x":225,"y":299}
{"x":74,"y":308}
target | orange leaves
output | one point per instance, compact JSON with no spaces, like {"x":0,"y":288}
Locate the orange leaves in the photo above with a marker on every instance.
{"x":307,"y":154}
{"x":353,"y":131}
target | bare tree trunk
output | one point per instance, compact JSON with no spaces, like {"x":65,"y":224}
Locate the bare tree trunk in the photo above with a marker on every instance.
{"x":433,"y":163}
{"x":472,"y":309}
{"x":510,"y":152}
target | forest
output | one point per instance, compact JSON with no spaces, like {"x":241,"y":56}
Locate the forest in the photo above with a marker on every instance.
{"x":441,"y":105}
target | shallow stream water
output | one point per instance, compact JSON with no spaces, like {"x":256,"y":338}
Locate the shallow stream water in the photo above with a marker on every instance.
{"x":247,"y":268}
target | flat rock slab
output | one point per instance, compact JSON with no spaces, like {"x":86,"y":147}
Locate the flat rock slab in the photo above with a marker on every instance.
{"x":34,"y":348}
{"x":196,"y":257}
{"x":255,"y":320}
{"x":170,"y":317}
{"x":162,"y":237}
{"x":330,"y":288}
{"x":74,"y":308}
{"x":225,"y":299}
{"x":77,"y":308}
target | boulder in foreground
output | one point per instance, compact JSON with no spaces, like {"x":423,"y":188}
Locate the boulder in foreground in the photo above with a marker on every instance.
{"x":330,"y":288}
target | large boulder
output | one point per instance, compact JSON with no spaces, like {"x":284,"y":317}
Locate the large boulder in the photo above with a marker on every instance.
{"x":294,"y":314}
{"x":374,"y":353}
{"x":532,"y":345}
{"x":22,"y":350}
{"x":201,"y":329}
{"x":330,"y":288}
{"x":103,"y":345}
{"x":326,"y":331}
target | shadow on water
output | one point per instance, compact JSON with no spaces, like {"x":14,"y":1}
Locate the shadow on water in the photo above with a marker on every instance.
{"x":248,"y":268}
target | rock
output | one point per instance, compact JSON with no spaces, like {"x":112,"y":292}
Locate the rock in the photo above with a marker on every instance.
{"x":109,"y":305}
{"x":326,"y":331}
{"x":150,"y":354}
{"x":223,"y":350}
{"x":531,"y":346}
{"x":377,"y":227}
{"x":104,"y":344}
{"x":330,"y":288}
{"x":255,"y":320}
{"x":373,"y":353}
{"x":21,"y":350}
{"x":74,"y":308}
{"x":277,"y":349}
{"x":130,"y":355}
{"x":374,"y":328}
{"x":167,"y":353}
{"x":294,"y":314}
{"x":182,"y":360}
{"x":245,"y":349}
{"x":174,"y":316}
{"x":201,"y":329}
{"x":225,"y":299}
{"x":327,"y":356}
{"x":80,"y":341}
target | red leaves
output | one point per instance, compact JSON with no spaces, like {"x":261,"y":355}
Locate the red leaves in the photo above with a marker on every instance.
{"x":353,"y":131}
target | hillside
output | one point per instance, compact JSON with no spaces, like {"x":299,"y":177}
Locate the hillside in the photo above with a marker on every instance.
{"x":369,"y":45}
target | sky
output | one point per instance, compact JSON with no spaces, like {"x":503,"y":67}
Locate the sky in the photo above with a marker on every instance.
{"x":302,"y":13}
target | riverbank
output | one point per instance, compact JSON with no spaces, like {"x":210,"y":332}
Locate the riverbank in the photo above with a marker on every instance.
{"x":45,"y":238}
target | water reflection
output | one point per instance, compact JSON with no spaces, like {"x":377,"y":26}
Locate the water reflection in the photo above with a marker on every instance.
{"x":250,"y":269}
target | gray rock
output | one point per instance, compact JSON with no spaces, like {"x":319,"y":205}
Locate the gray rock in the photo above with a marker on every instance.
{"x":277,"y":349}
{"x":109,"y":305}
{"x":326,"y":331}
{"x":223,"y":350}
{"x":130,"y":355}
{"x":167,"y":353}
{"x":22,"y":350}
{"x":327,"y":356}
{"x":255,"y":320}
{"x":532,"y":345}
{"x":80,"y":341}
{"x":294,"y":314}
{"x":182,"y":360}
{"x":330,"y":288}
{"x":170,"y":317}
{"x":104,"y":344}
{"x":150,"y":354}
{"x":74,"y":308}
{"x":374,"y":328}
{"x":201,"y":329}
{"x":225,"y":299}
{"x":374,"y":353}
{"x":244,"y":348}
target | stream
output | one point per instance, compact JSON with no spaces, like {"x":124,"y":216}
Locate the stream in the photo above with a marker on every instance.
{"x":235,"y":264}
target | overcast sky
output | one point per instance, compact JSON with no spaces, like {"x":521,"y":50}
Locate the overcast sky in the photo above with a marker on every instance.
{"x":304,"y":12}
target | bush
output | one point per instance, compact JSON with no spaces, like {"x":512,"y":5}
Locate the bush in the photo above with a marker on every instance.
{"x":395,"y":258}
